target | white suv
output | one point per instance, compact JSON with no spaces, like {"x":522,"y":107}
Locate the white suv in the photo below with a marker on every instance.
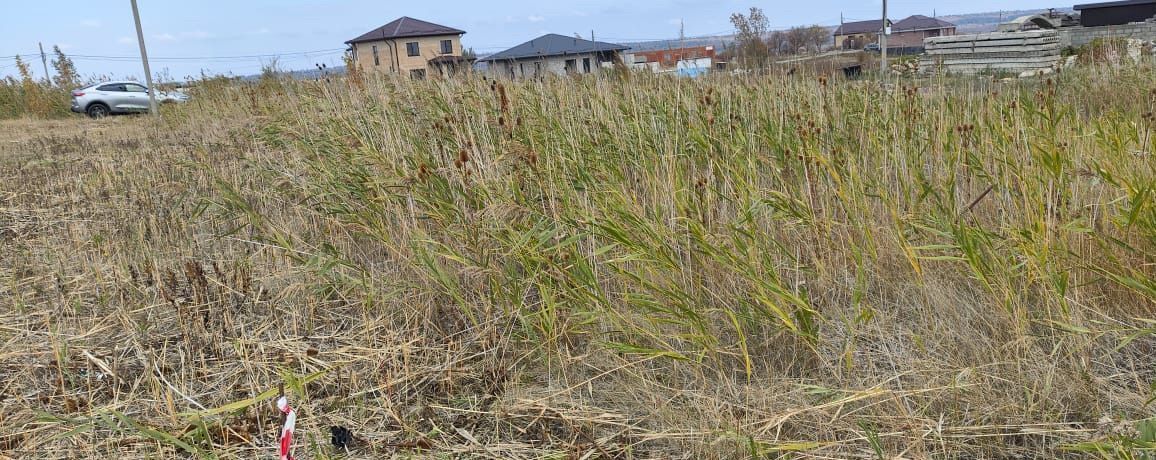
{"x":106,"y":98}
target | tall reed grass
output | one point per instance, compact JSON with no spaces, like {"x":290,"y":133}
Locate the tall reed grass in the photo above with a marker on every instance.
{"x":620,"y":267}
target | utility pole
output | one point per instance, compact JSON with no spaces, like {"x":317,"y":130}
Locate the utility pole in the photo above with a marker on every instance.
{"x":44,"y":60}
{"x":144,"y":58}
{"x":882,"y":42}
{"x":835,"y":39}
{"x":597,"y":54}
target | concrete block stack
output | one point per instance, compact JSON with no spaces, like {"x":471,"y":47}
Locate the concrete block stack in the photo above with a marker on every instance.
{"x":1004,"y":52}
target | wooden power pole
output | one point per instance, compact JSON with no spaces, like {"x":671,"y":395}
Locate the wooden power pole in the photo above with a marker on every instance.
{"x":44,"y":60}
{"x":882,"y":42}
{"x":144,"y":58}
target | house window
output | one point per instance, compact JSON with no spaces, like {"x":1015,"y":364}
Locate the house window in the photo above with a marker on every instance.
{"x":411,"y":49}
{"x":586,"y":65}
{"x":417,"y":74}
{"x":447,"y":46}
{"x":537,"y":68}
{"x":522,"y":68}
{"x":571,"y":65}
{"x":376,"y":58}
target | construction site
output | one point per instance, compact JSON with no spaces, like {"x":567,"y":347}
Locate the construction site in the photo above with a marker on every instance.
{"x":1043,"y":43}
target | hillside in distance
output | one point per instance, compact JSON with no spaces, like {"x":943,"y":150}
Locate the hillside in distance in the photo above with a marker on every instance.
{"x":968,"y":23}
{"x":986,"y":22}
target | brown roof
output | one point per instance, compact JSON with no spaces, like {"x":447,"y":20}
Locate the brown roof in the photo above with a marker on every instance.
{"x":405,"y":27}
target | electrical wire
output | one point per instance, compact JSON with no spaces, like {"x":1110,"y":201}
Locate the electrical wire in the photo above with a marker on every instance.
{"x":248,"y":57}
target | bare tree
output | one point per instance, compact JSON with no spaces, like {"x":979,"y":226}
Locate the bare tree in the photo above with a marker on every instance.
{"x":816,"y":37}
{"x":779,"y":43}
{"x":797,"y":39}
{"x":750,"y":34}
{"x":806,"y":39}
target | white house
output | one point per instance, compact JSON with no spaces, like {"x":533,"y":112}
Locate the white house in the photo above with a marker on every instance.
{"x":552,"y":54}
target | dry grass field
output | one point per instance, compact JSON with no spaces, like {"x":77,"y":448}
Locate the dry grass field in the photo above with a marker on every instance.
{"x":631,"y":268}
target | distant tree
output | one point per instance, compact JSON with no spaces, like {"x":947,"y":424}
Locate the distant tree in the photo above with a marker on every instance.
{"x":778,"y":43}
{"x":797,"y":39}
{"x":808,"y":39}
{"x":469,"y":54}
{"x":750,"y":34}
{"x":66,"y":75}
{"x":271,"y":69}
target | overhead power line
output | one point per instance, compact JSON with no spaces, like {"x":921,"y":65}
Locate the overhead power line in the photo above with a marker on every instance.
{"x":216,"y":58}
{"x":247,"y":57}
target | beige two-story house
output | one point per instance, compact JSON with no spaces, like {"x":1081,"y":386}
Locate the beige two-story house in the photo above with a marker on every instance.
{"x":409,"y":46}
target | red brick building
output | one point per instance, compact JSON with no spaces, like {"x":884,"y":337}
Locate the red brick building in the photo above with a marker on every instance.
{"x":667,"y":58}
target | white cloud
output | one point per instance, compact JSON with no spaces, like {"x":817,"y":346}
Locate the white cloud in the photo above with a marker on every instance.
{"x":126,"y":40}
{"x":196,"y":35}
{"x":90,"y":23}
{"x":261,"y":31}
{"x":181,"y":36}
{"x":535,"y":18}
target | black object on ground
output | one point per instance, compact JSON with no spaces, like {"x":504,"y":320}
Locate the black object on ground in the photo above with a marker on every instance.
{"x":853,"y":71}
{"x":340,"y":436}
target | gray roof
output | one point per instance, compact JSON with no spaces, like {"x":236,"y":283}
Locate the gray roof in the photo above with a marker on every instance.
{"x":914,"y":22}
{"x":860,"y":27}
{"x":552,"y":45}
{"x":406,"y":27}
{"x":920,"y":22}
{"x":1089,"y":6}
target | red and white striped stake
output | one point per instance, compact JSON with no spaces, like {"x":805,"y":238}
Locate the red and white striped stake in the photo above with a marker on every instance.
{"x":287,"y":429}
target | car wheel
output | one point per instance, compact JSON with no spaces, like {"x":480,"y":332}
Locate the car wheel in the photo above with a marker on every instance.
{"x":98,"y":110}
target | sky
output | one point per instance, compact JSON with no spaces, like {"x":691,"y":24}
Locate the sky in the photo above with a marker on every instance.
{"x":186,"y":38}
